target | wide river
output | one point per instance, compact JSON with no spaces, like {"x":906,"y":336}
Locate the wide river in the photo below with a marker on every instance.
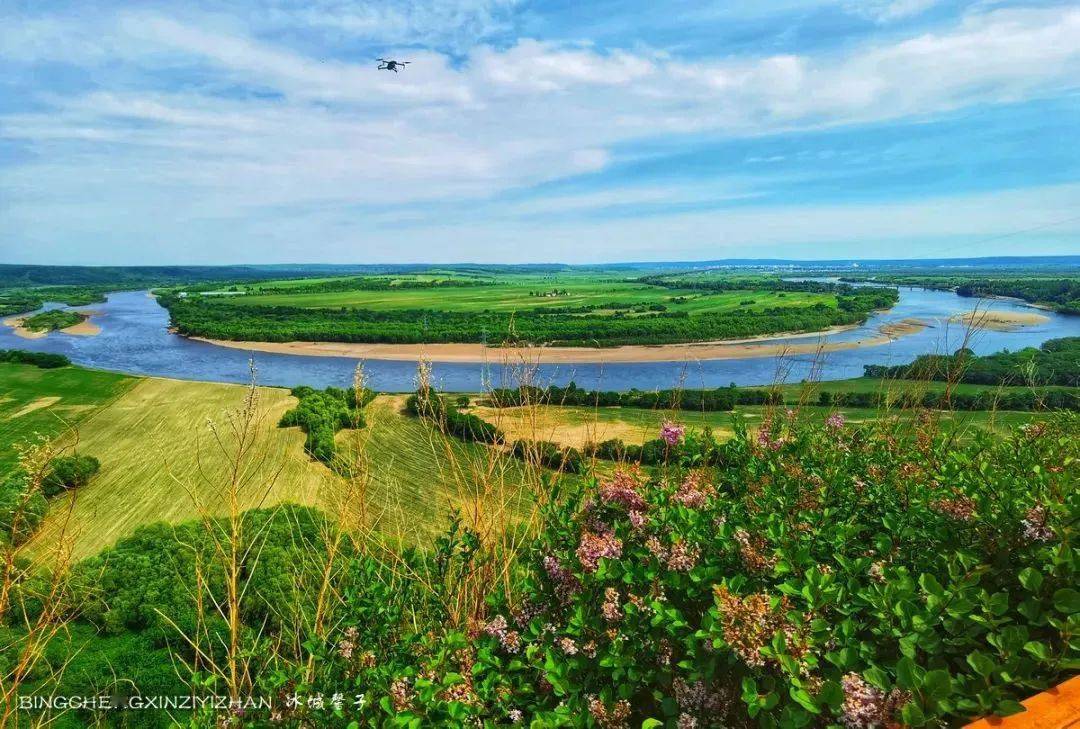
{"x":135,"y":339}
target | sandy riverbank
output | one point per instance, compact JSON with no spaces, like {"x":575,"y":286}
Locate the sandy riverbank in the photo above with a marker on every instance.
{"x":999,"y":321}
{"x":742,"y":349}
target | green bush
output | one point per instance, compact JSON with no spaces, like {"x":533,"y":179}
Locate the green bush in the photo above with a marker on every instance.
{"x":68,"y":472}
{"x":322,"y":413}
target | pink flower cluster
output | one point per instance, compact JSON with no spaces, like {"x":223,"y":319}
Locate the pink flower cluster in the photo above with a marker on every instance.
{"x":698,"y":698}
{"x":693,"y":493}
{"x":509,"y":639}
{"x":616,"y":717}
{"x":595,"y":546}
{"x":624,"y":489}
{"x":611,"y":609}
{"x":672,"y":433}
{"x":1034,"y":523}
{"x":960,"y":508}
{"x":683,"y":557}
{"x":835,"y":421}
{"x":347,"y":645}
{"x":866,"y":706}
{"x":765,"y":438}
{"x":566,"y":583}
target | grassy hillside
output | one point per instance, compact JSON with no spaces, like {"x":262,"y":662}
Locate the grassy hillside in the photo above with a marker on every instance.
{"x":160,"y":459}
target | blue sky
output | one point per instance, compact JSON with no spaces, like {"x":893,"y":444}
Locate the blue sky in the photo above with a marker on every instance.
{"x":201,"y":132}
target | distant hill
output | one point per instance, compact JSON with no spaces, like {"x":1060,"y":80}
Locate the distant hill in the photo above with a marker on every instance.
{"x":137,"y":276}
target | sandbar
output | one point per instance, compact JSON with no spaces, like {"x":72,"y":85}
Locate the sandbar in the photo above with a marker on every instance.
{"x":999,"y":321}
{"x":738,"y":349}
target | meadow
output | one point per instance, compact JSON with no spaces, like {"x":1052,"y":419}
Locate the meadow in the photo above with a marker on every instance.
{"x":50,"y":402}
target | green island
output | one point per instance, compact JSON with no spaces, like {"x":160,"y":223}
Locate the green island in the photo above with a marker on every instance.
{"x":48,"y":321}
{"x":558,"y":306}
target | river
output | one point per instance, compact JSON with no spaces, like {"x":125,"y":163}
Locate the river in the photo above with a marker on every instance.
{"x":135,"y":339}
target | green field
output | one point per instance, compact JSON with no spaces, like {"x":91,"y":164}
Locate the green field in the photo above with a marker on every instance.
{"x":516,"y":293}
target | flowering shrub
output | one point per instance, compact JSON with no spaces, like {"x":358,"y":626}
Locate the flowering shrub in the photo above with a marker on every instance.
{"x":860,"y":576}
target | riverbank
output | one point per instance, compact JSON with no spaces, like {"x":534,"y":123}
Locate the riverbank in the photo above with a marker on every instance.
{"x":474,"y":353}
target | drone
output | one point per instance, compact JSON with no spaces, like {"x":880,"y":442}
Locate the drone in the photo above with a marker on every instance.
{"x":387,"y":65}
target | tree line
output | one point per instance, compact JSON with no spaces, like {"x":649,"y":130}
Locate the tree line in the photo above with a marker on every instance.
{"x":1055,"y":362}
{"x":44,"y":360}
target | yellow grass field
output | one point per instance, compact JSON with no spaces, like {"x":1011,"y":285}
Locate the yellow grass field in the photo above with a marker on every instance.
{"x":160,"y":461}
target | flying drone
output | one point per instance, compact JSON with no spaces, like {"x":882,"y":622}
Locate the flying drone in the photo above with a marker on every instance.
{"x":388,"y":65}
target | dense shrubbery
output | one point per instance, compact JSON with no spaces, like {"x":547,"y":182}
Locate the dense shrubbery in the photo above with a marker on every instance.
{"x":828,"y":574}
{"x":22,"y":507}
{"x":426,"y":403}
{"x":196,"y":316}
{"x":1056,"y":362}
{"x":322,"y":413}
{"x":1022,"y":399}
{"x":825,"y":574}
{"x":22,"y":300}
{"x":23,"y":496}
{"x":44,"y":360}
{"x":68,"y":472}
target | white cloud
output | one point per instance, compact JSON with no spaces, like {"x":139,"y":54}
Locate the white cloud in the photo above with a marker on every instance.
{"x":885,"y":11}
{"x":339,"y":133}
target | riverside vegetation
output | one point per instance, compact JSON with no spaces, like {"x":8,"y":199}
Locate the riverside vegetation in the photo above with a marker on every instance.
{"x":809,"y":573}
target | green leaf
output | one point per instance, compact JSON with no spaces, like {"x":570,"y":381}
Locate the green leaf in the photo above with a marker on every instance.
{"x":912,"y":714}
{"x":1037,"y":649}
{"x":930,"y":585}
{"x":651,"y":724}
{"x":1067,"y":600}
{"x":905,"y":674}
{"x":981,"y":663}
{"x":1031,"y":579}
{"x":804,"y":700}
{"x":937,"y":684}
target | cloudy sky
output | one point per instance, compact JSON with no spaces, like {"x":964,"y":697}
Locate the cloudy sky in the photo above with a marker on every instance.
{"x":138,"y":132}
